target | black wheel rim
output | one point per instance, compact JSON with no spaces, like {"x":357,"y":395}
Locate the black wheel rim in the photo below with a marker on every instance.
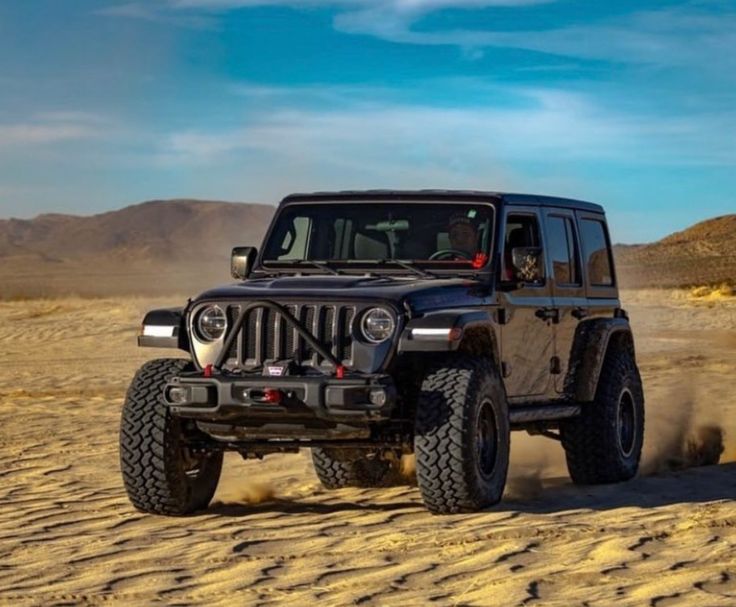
{"x":486,"y":440}
{"x":626,"y":422}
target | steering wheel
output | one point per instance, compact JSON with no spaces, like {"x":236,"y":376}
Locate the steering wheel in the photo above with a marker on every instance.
{"x":445,"y":253}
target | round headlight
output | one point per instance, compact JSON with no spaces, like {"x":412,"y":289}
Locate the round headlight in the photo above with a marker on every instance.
{"x":377,"y":325}
{"x":211,"y":323}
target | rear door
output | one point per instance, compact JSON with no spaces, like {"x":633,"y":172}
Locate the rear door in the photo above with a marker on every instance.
{"x":568,"y":289}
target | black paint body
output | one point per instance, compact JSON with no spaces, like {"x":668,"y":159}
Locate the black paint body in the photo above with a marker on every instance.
{"x":548,"y":340}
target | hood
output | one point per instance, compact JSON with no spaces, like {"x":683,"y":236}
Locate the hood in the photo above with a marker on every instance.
{"x":420,"y":294}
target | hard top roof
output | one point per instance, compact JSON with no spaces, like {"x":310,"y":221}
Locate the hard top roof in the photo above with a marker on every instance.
{"x":454,"y":195}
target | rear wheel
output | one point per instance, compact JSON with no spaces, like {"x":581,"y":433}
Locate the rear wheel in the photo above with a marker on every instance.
{"x":161,"y":473}
{"x":461,"y":437}
{"x":603,"y":444}
{"x":338,"y":468}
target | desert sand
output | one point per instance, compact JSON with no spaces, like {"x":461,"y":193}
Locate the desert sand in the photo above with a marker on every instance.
{"x":273,"y":536}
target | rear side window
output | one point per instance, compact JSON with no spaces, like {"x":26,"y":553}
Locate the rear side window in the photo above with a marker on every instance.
{"x":562,"y":249}
{"x":597,"y":253}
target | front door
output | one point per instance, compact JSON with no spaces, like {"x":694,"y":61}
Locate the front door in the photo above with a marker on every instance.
{"x":526,"y":319}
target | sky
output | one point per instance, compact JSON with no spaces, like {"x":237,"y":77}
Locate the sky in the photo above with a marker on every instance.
{"x":631,"y":104}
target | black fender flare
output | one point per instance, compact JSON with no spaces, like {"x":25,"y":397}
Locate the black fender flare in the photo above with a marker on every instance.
{"x":592,"y":340}
{"x":164,"y":328}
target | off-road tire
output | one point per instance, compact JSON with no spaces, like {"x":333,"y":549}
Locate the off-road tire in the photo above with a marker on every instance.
{"x":603,"y":444}
{"x":160,"y":475}
{"x":338,"y":468}
{"x":461,"y":400}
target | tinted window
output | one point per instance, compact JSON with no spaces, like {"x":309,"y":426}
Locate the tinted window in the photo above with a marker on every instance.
{"x":597,"y":254}
{"x":562,"y":250}
{"x":295,"y":240}
{"x":521,"y":231}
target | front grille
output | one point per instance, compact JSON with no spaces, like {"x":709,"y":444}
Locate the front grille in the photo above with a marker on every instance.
{"x":266,"y":335}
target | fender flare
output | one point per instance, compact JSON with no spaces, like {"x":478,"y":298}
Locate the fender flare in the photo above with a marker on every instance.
{"x":164,"y":328}
{"x":444,"y":331}
{"x":592,"y":340}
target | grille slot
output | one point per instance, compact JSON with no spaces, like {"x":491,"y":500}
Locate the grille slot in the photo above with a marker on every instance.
{"x":266,"y":335}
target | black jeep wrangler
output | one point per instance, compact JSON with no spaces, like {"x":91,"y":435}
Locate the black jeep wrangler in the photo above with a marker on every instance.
{"x":380,"y":323}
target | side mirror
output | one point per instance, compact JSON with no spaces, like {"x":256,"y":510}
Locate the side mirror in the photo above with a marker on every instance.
{"x":527,"y":264}
{"x":241,"y":261}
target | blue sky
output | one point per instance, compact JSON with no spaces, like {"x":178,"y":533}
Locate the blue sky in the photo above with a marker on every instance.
{"x":631,"y":104}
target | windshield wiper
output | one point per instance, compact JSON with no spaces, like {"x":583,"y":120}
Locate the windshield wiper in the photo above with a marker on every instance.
{"x":317,"y":264}
{"x":404,"y":264}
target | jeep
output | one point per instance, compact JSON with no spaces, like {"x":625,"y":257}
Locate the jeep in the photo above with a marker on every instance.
{"x":376,"y":324}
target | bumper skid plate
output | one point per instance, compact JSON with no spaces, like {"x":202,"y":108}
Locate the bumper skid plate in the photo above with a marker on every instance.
{"x":233,"y":398}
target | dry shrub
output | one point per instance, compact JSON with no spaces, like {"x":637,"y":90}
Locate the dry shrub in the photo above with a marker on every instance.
{"x":713,"y":293}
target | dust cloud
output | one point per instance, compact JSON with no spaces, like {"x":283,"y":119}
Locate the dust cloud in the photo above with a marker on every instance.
{"x":681,"y":431}
{"x":251,"y":493}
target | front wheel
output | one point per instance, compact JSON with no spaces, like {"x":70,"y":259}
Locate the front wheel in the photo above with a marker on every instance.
{"x":461,"y":438}
{"x":162,"y":475}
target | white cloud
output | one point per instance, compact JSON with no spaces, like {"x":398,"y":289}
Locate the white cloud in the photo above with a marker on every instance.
{"x":551,"y":126}
{"x":53,"y":127}
{"x":663,"y":37}
{"x":31,"y":134}
{"x":681,"y":36}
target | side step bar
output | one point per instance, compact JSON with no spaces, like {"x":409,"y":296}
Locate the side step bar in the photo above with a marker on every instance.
{"x":542,"y":413}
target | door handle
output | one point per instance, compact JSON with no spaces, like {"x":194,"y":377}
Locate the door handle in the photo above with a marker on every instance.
{"x":580,"y":313}
{"x":552,"y":314}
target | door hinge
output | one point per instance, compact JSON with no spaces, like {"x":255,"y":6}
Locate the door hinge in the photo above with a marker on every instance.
{"x":555,"y":366}
{"x":552,"y":314}
{"x":505,"y":369}
{"x":580,"y":313}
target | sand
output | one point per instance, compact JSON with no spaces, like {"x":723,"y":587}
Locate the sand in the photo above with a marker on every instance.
{"x":273,"y":536}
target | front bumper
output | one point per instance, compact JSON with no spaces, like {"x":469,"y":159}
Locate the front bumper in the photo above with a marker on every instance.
{"x":242,"y":399}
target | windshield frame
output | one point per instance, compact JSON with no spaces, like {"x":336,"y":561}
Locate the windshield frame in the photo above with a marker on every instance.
{"x":435,"y":267}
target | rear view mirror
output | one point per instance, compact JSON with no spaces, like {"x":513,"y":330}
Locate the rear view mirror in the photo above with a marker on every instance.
{"x":527,"y":264}
{"x":242,"y":261}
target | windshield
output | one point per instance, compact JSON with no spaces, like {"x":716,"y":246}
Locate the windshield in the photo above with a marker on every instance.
{"x":433,"y":234}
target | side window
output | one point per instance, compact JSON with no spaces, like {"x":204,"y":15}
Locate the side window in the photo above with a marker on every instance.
{"x":296,"y":239}
{"x":562,"y":250}
{"x":521,"y":231}
{"x":597,"y":253}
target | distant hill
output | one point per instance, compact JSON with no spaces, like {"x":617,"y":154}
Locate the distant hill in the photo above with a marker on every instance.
{"x":159,"y":230}
{"x":702,"y":254}
{"x":160,"y":246}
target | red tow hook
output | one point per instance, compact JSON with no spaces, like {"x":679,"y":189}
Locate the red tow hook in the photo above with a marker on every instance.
{"x":339,"y":372}
{"x":208,"y":371}
{"x":272,"y":396}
